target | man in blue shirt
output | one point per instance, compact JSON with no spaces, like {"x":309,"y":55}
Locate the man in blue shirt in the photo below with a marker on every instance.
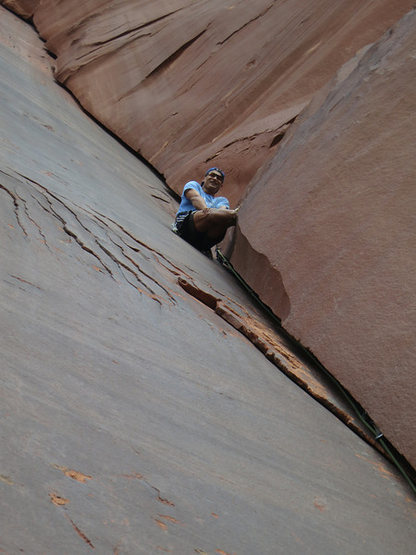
{"x":203,"y":218}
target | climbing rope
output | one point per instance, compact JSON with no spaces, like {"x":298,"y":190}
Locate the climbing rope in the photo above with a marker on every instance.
{"x":361,"y":414}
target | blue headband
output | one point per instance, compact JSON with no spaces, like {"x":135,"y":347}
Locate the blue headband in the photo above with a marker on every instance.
{"x":217,"y":170}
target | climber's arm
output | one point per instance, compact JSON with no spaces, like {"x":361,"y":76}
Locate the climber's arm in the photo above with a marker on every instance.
{"x":197,"y":201}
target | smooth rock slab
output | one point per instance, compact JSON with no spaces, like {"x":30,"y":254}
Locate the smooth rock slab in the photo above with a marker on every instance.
{"x":135,"y":420}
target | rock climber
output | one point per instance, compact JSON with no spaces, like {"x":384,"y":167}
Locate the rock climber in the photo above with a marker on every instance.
{"x":203,"y":218}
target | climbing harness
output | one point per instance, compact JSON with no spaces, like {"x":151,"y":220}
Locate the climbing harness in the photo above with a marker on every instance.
{"x":359,"y":411}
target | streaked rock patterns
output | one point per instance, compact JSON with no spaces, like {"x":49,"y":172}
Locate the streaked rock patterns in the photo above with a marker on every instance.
{"x":194,"y":82}
{"x":24,"y":8}
{"x":135,"y":419}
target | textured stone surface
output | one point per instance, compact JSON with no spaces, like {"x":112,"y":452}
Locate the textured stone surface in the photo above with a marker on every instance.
{"x":134,"y":418}
{"x":25,"y":8}
{"x":193,"y":82}
{"x":334,"y":252}
{"x":222,"y":83}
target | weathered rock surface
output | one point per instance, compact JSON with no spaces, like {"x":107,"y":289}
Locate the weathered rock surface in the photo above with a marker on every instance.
{"x":135,"y":419}
{"x":334,"y":251}
{"x":25,"y":8}
{"x":253,"y":68}
{"x":193,"y":82}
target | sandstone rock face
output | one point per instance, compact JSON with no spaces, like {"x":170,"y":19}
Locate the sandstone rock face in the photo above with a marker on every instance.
{"x":135,"y":417}
{"x":338,"y":205}
{"x":25,"y":8}
{"x":190,"y":83}
{"x":197,"y":83}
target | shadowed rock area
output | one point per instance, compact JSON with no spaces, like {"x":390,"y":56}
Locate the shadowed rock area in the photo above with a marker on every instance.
{"x":136,"y":418}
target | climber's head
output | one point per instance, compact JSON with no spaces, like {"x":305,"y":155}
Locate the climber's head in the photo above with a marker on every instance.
{"x":214,"y":178}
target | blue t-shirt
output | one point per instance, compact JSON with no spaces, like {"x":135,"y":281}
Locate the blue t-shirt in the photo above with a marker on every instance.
{"x":210,"y":201}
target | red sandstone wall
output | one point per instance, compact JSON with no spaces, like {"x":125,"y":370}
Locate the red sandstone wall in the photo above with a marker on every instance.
{"x":112,"y":439}
{"x":25,"y":8}
{"x":338,"y":206}
{"x":220,"y":82}
{"x":190,"y":83}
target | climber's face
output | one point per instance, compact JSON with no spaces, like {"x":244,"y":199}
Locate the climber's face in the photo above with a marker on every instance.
{"x":212,"y":182}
